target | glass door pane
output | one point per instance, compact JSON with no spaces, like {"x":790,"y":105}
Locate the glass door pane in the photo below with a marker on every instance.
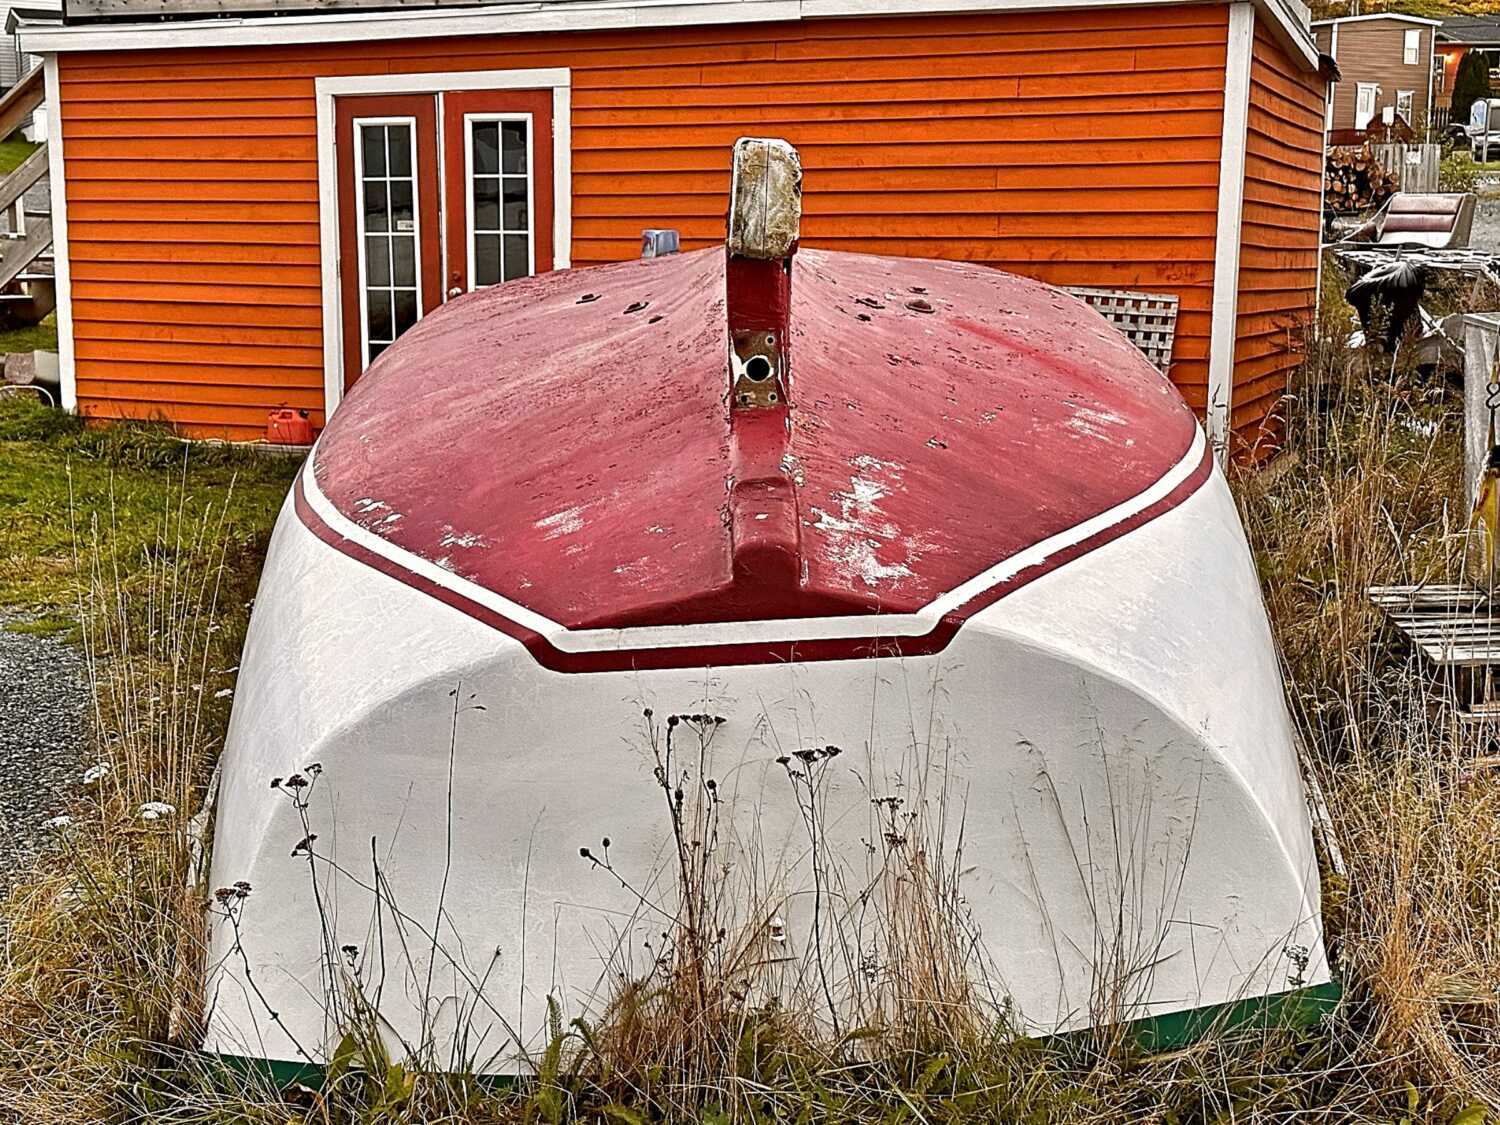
{"x":389,"y":280}
{"x":501,"y":245}
{"x":498,"y":187}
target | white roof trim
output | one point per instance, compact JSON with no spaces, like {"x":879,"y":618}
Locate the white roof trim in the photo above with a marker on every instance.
{"x":1379,"y":16}
{"x":1289,"y":18}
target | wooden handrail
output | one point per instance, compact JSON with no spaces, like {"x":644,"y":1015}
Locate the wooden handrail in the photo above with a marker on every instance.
{"x":27,"y":173}
{"x":19,"y":101}
{"x":16,"y":256}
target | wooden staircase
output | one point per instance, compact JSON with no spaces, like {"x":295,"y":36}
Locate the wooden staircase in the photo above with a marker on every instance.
{"x":28,"y":290}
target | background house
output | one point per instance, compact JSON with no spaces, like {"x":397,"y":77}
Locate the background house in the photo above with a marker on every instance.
{"x":15,"y":63}
{"x":1385,"y":61}
{"x":254,"y":206}
{"x":1457,"y":37}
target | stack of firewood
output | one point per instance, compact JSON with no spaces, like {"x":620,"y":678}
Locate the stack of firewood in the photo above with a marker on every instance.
{"x":1355,"y":180}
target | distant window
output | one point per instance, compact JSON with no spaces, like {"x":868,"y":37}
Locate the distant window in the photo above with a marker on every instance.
{"x":1413,"y":46}
{"x":1403,"y":105}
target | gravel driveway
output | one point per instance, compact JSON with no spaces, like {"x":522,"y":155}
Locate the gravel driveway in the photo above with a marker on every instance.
{"x":43,"y":704}
{"x":1486,"y":232}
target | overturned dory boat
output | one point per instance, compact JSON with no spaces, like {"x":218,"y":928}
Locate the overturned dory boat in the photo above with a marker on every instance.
{"x":940,"y":517}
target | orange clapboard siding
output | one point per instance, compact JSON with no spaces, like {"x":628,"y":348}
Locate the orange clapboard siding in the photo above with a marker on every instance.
{"x":230,"y":377}
{"x":268,"y":313}
{"x":158,"y":391}
{"x":1279,"y":247}
{"x":1080,"y":147}
{"x":219,"y":418}
{"x":223,"y":278}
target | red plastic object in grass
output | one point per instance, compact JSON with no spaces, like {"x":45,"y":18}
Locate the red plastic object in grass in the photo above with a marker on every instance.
{"x":289,"y":427}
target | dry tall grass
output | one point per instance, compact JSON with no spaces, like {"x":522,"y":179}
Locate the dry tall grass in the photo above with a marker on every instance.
{"x":101,"y":941}
{"x":728,"y":1015}
{"x":1370,"y":492}
{"x":1367,"y":492}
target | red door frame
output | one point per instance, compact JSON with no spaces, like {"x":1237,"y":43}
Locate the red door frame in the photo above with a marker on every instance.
{"x":538,"y":103}
{"x":422,"y":108}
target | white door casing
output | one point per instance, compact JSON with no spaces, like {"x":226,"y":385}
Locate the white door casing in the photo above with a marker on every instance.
{"x":504,"y":226}
{"x":1365,"y":96}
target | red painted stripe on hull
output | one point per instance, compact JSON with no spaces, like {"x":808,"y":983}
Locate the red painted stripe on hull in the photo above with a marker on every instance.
{"x":555,"y":659}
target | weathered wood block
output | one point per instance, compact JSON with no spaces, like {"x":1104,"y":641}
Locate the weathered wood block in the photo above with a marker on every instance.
{"x":20,"y":368}
{"x":765,"y":214}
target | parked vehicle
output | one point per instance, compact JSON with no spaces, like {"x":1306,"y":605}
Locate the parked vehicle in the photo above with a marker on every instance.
{"x":1482,"y":130}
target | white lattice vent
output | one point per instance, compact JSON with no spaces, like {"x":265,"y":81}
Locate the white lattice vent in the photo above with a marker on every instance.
{"x":1149,"y":320}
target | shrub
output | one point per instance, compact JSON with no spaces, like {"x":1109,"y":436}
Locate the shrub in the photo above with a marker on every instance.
{"x":1458,"y":172}
{"x":1471,"y":83}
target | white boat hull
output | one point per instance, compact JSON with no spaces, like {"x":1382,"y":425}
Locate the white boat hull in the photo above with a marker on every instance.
{"x":1113,"y":734}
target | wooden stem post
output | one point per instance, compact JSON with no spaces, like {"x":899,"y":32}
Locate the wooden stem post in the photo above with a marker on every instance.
{"x":765,"y":213}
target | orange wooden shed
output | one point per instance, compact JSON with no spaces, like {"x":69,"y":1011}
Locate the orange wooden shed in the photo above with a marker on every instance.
{"x":248,"y":206}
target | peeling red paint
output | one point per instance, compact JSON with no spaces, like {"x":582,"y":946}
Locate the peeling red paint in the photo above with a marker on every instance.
{"x":592,"y":446}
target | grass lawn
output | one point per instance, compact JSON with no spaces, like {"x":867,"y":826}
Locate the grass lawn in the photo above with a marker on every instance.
{"x":40,"y":337}
{"x":13,"y":153}
{"x":64,"y":487}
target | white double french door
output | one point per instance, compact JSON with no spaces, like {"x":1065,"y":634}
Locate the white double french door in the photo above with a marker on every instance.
{"x":438,"y":194}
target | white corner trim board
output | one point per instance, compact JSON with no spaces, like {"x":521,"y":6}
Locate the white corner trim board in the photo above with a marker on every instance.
{"x":1287,"y":18}
{"x":1226,"y":296}
{"x":328,"y":254}
{"x":1431,"y":73}
{"x":62,"y":268}
{"x":558,"y":79}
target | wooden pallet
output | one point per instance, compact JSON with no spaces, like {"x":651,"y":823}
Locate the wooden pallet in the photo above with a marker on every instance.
{"x":1408,"y":599}
{"x":1451,"y":626}
{"x":1484,"y":711}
